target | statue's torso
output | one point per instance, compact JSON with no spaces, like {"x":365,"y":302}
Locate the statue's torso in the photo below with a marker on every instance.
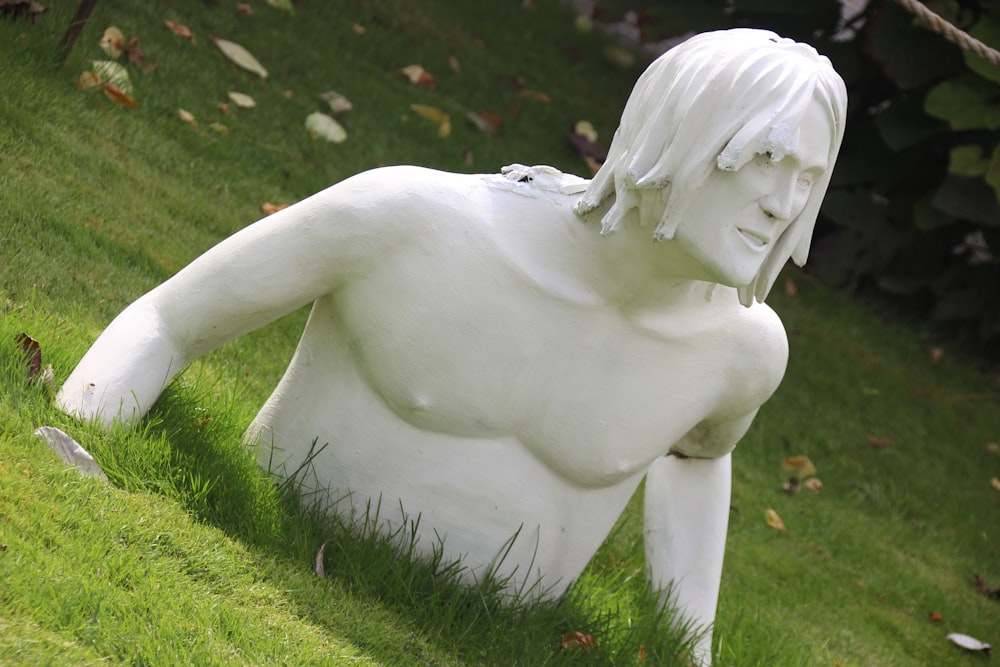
{"x":480,"y":397}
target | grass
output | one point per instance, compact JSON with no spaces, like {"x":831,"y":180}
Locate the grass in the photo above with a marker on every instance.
{"x":193,"y":556}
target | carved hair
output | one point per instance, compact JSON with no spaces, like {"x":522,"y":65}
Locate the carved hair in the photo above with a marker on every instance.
{"x":715,"y":102}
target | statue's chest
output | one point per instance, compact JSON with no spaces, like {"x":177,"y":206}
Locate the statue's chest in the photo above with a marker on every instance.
{"x":582,"y":388}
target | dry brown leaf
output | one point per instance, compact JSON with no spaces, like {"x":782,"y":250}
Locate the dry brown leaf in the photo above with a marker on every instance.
{"x":118,"y":96}
{"x":800,"y":465}
{"x":219,"y":127}
{"x":243,"y":9}
{"x":359,"y":29}
{"x":223,"y":108}
{"x":186,"y":116}
{"x":417,"y":75}
{"x":774,"y":521}
{"x":995,"y":483}
{"x":487,"y":122}
{"x":937,"y":354}
{"x":813,"y":484}
{"x":936,"y":617}
{"x":878,"y":441}
{"x":535,"y":95}
{"x":579,"y":640}
{"x":239,"y":56}
{"x":267,"y":208}
{"x":32,"y":353}
{"x":180,"y":30}
{"x":87,"y":80}
{"x":453,"y":64}
{"x":983,"y":589}
{"x":112,"y":42}
{"x":319,"y":568}
{"x":992,"y":447}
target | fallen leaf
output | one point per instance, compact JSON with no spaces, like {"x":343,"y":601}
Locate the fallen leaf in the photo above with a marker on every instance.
{"x":219,"y":127}
{"x":983,"y":589}
{"x":800,"y":465}
{"x":417,"y":75}
{"x":434,"y":115}
{"x":70,"y":451}
{"x":242,"y":100}
{"x":619,"y":56}
{"x":359,"y":29}
{"x":87,"y":80}
{"x":112,"y":42}
{"x":243,"y":9}
{"x":114,"y":73}
{"x":453,"y":64}
{"x":969,"y":643}
{"x":319,"y":568}
{"x":642,"y":653}
{"x":535,"y":95}
{"x":813,"y":484}
{"x":268,"y":208}
{"x":774,"y":521}
{"x":791,"y":486}
{"x":118,"y":96}
{"x":137,"y":56}
{"x":586,"y":130}
{"x":936,"y":617}
{"x":577,"y":639}
{"x":180,"y":30}
{"x":937,"y":354}
{"x":282,"y":4}
{"x":187,"y":117}
{"x":240,"y":57}
{"x":338,"y":103}
{"x":878,"y":441}
{"x":319,"y":125}
{"x":468,"y":159}
{"x":223,"y":108}
{"x":287,"y":94}
{"x":992,"y":448}
{"x":32,"y":353}
{"x":486,"y":122}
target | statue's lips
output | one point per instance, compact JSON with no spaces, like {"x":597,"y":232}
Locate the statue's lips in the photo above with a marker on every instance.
{"x":755,"y":240}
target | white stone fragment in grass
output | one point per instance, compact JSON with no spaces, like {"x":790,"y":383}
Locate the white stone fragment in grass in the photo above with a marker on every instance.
{"x":70,"y":451}
{"x":969,"y":643}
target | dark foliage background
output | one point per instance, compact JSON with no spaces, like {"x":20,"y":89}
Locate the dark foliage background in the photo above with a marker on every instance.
{"x":912,"y":219}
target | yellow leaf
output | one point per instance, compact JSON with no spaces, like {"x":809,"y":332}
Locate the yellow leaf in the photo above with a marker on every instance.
{"x":585,"y":129}
{"x":241,"y":57}
{"x":774,"y":521}
{"x":242,"y":100}
{"x":319,"y":125}
{"x":434,"y":115}
{"x":112,"y":42}
{"x":800,"y":465}
{"x":995,"y":483}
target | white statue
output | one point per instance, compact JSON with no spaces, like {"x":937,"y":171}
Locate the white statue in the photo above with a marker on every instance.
{"x":513,"y":353}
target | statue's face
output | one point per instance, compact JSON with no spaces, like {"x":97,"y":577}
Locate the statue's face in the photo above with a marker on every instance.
{"x":735,"y":218}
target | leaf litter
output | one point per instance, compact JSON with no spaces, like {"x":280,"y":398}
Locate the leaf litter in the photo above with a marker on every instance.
{"x":240,"y":57}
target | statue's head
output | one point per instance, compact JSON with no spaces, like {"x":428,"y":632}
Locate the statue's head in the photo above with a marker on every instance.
{"x":710,"y":106}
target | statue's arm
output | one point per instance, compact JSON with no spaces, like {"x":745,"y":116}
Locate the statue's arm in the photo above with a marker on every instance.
{"x":255,"y":276}
{"x":686,"y":519}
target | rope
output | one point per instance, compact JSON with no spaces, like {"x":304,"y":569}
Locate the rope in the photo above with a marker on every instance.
{"x":950,"y":32}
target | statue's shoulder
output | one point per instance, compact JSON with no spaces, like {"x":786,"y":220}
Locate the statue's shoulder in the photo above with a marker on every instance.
{"x":761,"y":353}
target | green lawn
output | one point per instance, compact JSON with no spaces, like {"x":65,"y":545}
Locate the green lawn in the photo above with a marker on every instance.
{"x":193,"y":556}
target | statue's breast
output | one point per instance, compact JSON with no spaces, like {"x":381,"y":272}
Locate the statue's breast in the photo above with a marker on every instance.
{"x":490,"y":355}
